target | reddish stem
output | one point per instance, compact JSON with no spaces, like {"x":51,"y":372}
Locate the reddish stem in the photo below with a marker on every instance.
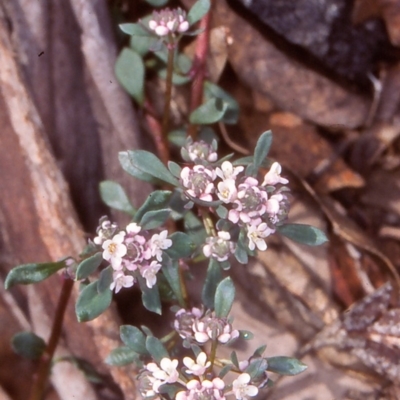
{"x":199,"y":68}
{"x":40,"y":382}
{"x":155,"y":128}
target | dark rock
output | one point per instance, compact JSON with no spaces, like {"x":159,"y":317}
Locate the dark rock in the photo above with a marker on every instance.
{"x":324,"y":28}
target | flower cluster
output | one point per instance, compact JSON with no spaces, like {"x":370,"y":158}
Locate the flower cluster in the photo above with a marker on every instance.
{"x":193,"y":381}
{"x":132,"y":252}
{"x":196,"y":326}
{"x":169,"y":21}
{"x":255,"y":207}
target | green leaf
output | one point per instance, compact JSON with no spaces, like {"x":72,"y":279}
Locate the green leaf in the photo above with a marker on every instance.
{"x":170,"y":270}
{"x":178,"y":137}
{"x":28,"y":345}
{"x":150,"y":296}
{"x":155,"y":219}
{"x":32,"y":273}
{"x":114,"y":196}
{"x":259,"y":351}
{"x":246,"y":335}
{"x":134,"y":338}
{"x":184,"y":63}
{"x":157,"y":3}
{"x":224,"y":296}
{"x":174,"y":168}
{"x":155,"y":347}
{"x":213,"y":278}
{"x":142,"y":44}
{"x":182,"y":246}
{"x":105,"y":279}
{"x":257,"y":368}
{"x":241,"y":248}
{"x":231,"y":115}
{"x":91,"y":303}
{"x":148,"y":164}
{"x":210,"y":112}
{"x":88,"y":266}
{"x":129,"y":70}
{"x":123,"y":355}
{"x":285,"y":365}
{"x":222,"y":211}
{"x":198,"y":11}
{"x":126,"y":164}
{"x":304,"y":234}
{"x":262,"y":148}
{"x":234,"y":359}
{"x":157,"y":200}
{"x":195,"y":228}
{"x":134,"y":29}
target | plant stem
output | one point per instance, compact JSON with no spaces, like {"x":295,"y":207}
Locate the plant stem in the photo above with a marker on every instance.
{"x":213,"y":353}
{"x":199,"y":69}
{"x":168,"y":89}
{"x":39,"y":384}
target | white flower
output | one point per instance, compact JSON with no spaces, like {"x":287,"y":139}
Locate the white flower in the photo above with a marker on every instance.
{"x":272,"y":177}
{"x":219,"y":247}
{"x":166,"y":373}
{"x":133,"y":228}
{"x":204,"y":390}
{"x":200,"y":150}
{"x":197,"y":367}
{"x":168,"y":21}
{"x":241,"y":388}
{"x":149,"y":272}
{"x":198,"y":182}
{"x":228,"y":171}
{"x":214,"y":328}
{"x":114,"y":250}
{"x":158,"y":243}
{"x":121,"y":280}
{"x":256,"y":234}
{"x":227,"y":191}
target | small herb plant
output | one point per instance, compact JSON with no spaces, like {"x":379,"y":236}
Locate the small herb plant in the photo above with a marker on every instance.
{"x":229,"y":207}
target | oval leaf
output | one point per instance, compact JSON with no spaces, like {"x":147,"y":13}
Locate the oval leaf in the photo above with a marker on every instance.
{"x":305,"y":234}
{"x":150,"y":297}
{"x":198,"y":11}
{"x":134,"y":338}
{"x":148,"y":164}
{"x":213,"y":278}
{"x":224,"y":296}
{"x":170,"y":270}
{"x":28,"y":345}
{"x":155,"y":347}
{"x":134,"y":29}
{"x":210,"y":112}
{"x":285,"y":365}
{"x":91,"y":303}
{"x":129,"y":70}
{"x":123,"y":355}
{"x":32,"y":273}
{"x":114,"y":196}
{"x":126,"y":164}
{"x":262,"y":148}
{"x":88,"y":266}
{"x":182,"y":246}
{"x":232,"y":107}
{"x":157,"y":200}
{"x":105,"y":279}
{"x":154,"y":219}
